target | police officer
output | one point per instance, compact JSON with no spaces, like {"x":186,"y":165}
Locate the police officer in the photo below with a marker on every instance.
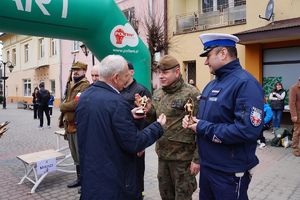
{"x":78,"y":84}
{"x":177,"y":151}
{"x":228,"y":122}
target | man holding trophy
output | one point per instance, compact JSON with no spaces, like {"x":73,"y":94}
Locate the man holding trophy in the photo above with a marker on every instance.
{"x":176,"y":149}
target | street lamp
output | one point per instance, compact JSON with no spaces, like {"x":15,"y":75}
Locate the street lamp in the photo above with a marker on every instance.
{"x":4,"y":77}
{"x":86,"y":52}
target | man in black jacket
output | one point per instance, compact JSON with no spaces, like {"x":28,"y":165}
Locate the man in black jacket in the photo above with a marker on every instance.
{"x":133,"y":88}
{"x":43,"y":97}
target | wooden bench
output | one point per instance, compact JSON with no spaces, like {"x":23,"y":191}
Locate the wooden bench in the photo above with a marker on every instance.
{"x":59,"y":135}
{"x":30,"y":162}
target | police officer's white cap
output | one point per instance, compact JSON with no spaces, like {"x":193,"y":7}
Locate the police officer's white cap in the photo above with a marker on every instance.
{"x":212,"y":40}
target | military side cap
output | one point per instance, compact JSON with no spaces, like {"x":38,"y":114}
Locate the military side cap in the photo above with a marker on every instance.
{"x":167,"y":62}
{"x":79,"y":65}
{"x":212,"y":40}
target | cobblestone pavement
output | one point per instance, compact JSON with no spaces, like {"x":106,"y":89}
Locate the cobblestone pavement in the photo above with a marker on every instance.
{"x":277,"y":176}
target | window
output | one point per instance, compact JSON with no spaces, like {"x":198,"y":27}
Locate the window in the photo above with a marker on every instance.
{"x":13,"y":56}
{"x":26,"y":53}
{"x":222,"y":4}
{"x":207,"y":5}
{"x":53,"y":46}
{"x":52,"y":85}
{"x":130,"y":15}
{"x":7,"y":56}
{"x":41,"y":48}
{"x":76,"y":46}
{"x":27,"y":87}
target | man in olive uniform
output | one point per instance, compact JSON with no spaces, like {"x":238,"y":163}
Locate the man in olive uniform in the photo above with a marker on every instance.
{"x":178,"y":162}
{"x":78,"y":84}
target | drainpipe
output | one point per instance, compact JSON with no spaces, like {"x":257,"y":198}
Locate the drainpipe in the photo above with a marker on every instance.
{"x":60,"y":70}
{"x":166,"y":23}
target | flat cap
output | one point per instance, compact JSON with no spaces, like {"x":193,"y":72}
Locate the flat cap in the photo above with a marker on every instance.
{"x":212,"y":40}
{"x":167,"y":62}
{"x":79,"y":65}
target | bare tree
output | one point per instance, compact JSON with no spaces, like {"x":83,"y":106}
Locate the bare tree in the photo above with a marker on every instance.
{"x":155,"y":34}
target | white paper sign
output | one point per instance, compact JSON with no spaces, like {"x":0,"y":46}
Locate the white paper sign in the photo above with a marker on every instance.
{"x":44,"y":166}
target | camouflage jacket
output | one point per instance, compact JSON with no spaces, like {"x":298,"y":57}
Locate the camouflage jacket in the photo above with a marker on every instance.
{"x":69,"y":105}
{"x":176,"y":143}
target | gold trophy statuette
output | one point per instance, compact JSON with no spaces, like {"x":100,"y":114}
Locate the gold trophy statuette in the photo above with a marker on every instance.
{"x":141,"y":102}
{"x":189,"y":109}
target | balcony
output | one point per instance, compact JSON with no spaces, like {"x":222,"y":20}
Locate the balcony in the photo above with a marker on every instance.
{"x":208,"y":18}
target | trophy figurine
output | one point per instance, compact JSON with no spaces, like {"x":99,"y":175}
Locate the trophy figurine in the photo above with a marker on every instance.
{"x":189,"y":108}
{"x":141,"y":102}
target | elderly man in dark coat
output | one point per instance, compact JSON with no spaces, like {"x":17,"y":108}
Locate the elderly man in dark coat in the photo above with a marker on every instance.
{"x":107,"y":136}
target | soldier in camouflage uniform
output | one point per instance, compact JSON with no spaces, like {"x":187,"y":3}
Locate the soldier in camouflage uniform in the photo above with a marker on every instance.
{"x":78,"y":84}
{"x":178,"y":162}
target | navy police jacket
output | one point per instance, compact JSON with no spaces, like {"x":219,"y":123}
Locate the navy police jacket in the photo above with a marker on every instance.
{"x":231,"y":119}
{"x":108,"y":141}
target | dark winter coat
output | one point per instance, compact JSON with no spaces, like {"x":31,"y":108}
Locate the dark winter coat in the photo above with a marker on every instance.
{"x":108,"y":141}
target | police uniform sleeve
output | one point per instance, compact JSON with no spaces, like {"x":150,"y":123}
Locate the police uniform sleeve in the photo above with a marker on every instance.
{"x":247,"y":123}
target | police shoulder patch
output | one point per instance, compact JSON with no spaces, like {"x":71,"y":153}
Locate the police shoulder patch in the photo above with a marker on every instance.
{"x":256,"y":116}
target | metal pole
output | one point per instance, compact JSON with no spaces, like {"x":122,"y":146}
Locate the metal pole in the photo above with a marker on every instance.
{"x":93,"y":59}
{"x":4,"y":78}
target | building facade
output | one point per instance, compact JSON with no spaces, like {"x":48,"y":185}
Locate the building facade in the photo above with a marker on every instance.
{"x":268,"y":49}
{"x":39,"y":59}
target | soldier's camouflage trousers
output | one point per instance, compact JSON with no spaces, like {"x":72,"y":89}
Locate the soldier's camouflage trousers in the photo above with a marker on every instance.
{"x":175,"y":180}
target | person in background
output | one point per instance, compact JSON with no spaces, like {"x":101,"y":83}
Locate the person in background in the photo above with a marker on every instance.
{"x":95,"y":73}
{"x":178,"y":159}
{"x":108,"y":138}
{"x":277,"y":97}
{"x":78,"y":84}
{"x":50,"y":103}
{"x":43,"y":97}
{"x":294,"y":103}
{"x":228,"y":123}
{"x":131,"y":89}
{"x":34,"y":102}
{"x":268,"y":114}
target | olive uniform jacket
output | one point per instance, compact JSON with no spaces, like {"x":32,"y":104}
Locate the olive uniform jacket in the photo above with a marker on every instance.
{"x":178,"y":143}
{"x":68,"y":107}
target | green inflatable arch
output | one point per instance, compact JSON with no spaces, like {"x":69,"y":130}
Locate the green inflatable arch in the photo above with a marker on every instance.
{"x":99,"y":24}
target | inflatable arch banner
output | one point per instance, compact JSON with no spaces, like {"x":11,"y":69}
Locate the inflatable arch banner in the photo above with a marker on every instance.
{"x":99,"y":24}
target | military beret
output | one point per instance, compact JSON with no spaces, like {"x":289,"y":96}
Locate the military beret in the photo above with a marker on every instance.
{"x":79,"y":65}
{"x":167,"y":62}
{"x":212,"y":40}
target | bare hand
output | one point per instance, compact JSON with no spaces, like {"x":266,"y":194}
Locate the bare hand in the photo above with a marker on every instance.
{"x":294,"y":119}
{"x":186,"y":123}
{"x":194,"y":168}
{"x":135,"y":116}
{"x":162,"y":119}
{"x":139,"y":154}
